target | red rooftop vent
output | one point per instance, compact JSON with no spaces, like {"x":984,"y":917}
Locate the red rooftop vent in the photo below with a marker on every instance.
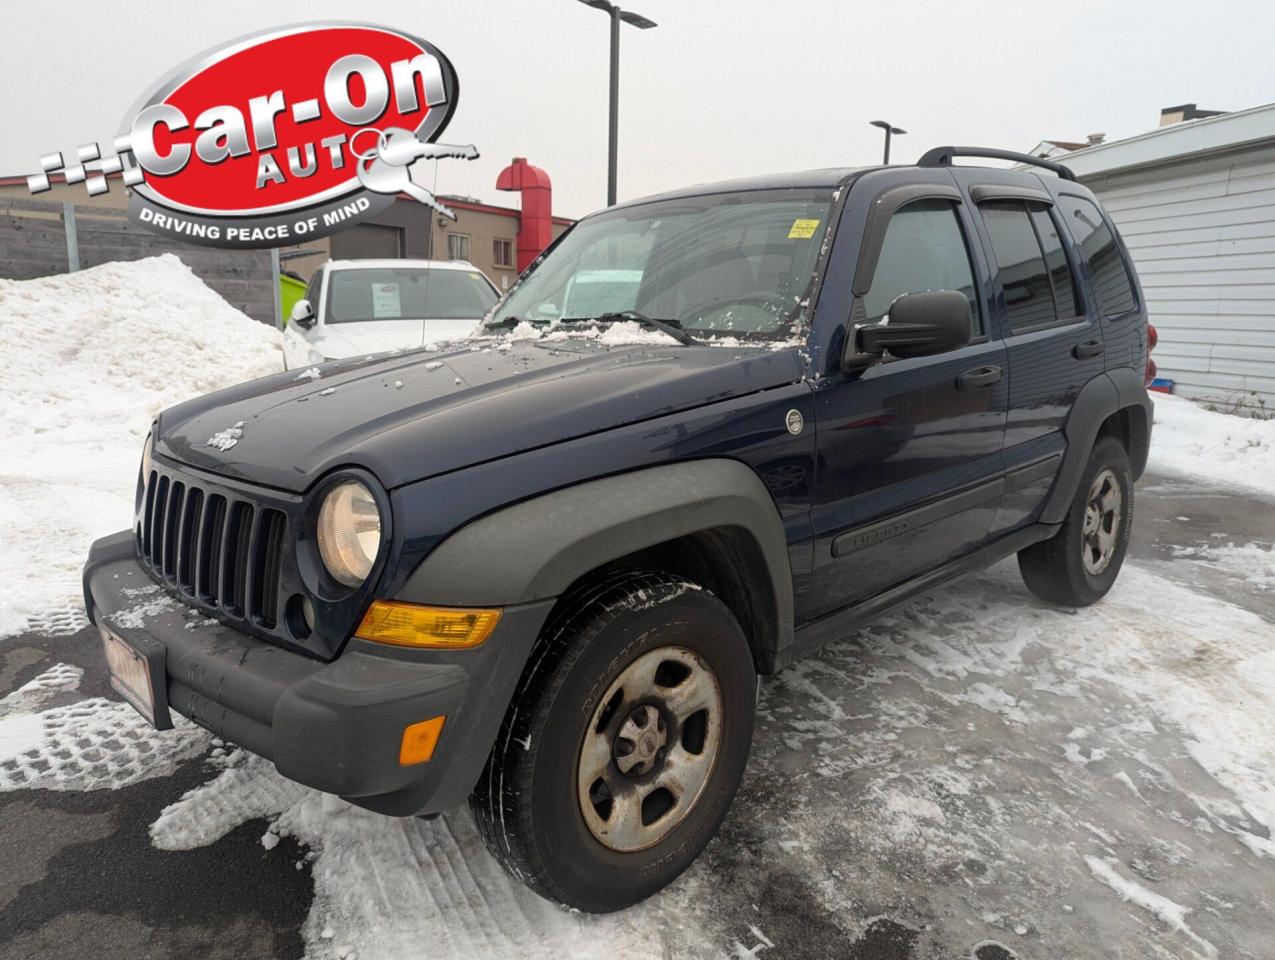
{"x":535,"y":229}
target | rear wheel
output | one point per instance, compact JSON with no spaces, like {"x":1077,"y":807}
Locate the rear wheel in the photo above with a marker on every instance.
{"x":1078,"y":565}
{"x":625,"y":743}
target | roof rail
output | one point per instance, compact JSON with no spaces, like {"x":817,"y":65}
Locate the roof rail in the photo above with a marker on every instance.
{"x":942,"y":157}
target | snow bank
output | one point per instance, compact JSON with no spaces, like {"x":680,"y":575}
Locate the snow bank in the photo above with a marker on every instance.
{"x":1190,"y":440}
{"x":89,"y":358}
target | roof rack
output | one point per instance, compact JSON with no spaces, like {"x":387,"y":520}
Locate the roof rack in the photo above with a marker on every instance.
{"x":942,"y":157}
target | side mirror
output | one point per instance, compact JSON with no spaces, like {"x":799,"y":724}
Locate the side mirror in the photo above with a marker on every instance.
{"x":303,"y":314}
{"x":919,"y":325}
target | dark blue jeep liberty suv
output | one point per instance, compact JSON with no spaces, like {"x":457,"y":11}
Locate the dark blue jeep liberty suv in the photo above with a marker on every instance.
{"x":542,"y":569}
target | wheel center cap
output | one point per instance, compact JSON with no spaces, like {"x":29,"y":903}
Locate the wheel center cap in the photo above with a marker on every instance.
{"x":1092,"y":515}
{"x":639,"y":741}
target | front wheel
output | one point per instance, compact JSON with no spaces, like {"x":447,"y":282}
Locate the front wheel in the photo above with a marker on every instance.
{"x":624,"y":746}
{"x":1079,"y":563}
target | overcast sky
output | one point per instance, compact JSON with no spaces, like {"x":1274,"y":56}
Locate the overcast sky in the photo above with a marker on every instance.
{"x":717,"y":90}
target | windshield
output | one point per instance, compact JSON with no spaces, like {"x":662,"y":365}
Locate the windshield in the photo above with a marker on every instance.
{"x":407,"y":293}
{"x":736,"y":264}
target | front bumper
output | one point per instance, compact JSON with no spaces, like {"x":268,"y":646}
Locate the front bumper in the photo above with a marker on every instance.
{"x":335,"y":726}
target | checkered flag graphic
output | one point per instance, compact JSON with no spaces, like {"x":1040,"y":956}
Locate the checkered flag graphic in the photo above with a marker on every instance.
{"x":90,"y":168}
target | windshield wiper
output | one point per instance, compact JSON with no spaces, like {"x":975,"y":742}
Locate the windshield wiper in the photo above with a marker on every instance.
{"x":672,"y":327}
{"x":511,"y":321}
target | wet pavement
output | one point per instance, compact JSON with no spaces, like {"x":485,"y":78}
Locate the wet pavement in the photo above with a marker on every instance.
{"x":978,"y":775}
{"x":1177,"y":514}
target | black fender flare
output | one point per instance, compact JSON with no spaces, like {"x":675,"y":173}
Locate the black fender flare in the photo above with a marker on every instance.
{"x":1102,"y":396}
{"x":535,"y":549}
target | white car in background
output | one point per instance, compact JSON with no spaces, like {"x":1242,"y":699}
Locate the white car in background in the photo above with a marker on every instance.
{"x":361,"y":307}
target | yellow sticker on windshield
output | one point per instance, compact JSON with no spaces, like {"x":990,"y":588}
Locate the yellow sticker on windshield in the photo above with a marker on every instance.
{"x":475,"y":276}
{"x":803,"y":229}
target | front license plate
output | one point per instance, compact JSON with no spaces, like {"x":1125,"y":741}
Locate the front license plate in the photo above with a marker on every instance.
{"x":130,"y":674}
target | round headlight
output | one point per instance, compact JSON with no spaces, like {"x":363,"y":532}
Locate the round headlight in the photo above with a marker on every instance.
{"x":146,"y":457}
{"x":349,"y":532}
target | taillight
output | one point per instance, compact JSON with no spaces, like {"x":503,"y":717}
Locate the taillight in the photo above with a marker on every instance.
{"x":1152,"y":337}
{"x":1150,"y":374}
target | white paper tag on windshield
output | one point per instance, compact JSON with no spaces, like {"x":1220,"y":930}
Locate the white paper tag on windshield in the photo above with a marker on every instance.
{"x":385,"y":301}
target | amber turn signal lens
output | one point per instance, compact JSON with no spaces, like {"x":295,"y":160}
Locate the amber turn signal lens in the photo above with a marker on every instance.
{"x":438,"y":628}
{"x":419,"y":740}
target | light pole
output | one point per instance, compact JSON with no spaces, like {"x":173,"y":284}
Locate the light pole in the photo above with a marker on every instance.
{"x":642,"y":23}
{"x":888,"y":130}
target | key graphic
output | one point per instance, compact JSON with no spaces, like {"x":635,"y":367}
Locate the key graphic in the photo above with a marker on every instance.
{"x":385,"y":168}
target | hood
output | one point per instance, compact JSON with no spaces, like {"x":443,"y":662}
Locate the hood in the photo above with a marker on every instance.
{"x":340,"y":340}
{"x":411,"y":416}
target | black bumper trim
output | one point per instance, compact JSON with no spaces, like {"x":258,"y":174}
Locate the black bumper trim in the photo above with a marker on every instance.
{"x":334,"y":726}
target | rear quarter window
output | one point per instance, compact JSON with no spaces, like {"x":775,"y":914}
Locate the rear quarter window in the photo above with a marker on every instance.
{"x":1112,"y":284}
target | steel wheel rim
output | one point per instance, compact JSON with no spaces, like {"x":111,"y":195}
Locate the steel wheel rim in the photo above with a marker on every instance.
{"x":650,"y":748}
{"x":1100,"y":530}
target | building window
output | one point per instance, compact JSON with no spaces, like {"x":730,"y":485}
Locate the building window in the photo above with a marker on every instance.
{"x":458,"y":246}
{"x":503,"y":252}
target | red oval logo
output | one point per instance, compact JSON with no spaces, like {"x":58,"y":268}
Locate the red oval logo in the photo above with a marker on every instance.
{"x":276,"y":122}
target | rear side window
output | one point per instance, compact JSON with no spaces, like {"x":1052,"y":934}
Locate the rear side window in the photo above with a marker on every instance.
{"x":1066,"y":305}
{"x":924,"y":249}
{"x":1112,"y":283}
{"x":1031,"y":299}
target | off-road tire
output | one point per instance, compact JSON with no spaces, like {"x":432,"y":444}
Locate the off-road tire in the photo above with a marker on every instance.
{"x":1054,"y":569}
{"x":526,"y":803}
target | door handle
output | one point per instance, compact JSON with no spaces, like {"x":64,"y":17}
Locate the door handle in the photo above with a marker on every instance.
{"x":978,"y":377}
{"x":1090,"y":348}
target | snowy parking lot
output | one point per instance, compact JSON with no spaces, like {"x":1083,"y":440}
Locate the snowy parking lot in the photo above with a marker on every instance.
{"x":978,"y":775}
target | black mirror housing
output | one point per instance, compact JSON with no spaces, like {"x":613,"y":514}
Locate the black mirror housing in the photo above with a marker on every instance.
{"x":303,"y":314}
{"x":919,"y":325}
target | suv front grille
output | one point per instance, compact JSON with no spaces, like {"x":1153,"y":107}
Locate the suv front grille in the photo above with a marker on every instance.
{"x":221,"y":553}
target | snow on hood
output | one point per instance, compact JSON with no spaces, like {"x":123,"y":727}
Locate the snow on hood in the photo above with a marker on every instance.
{"x":90,"y":358}
{"x":409,"y":416}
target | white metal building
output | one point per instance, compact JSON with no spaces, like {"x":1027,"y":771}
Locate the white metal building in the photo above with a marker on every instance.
{"x":1195,"y":202}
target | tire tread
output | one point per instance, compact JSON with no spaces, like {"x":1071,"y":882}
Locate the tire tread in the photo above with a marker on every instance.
{"x":1052,"y":569}
{"x":581,"y":615}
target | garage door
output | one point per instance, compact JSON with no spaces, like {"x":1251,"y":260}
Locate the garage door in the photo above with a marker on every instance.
{"x":367,"y":240}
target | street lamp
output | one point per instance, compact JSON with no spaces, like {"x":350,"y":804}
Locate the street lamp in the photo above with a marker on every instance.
{"x":642,"y":23}
{"x":888,"y":130}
